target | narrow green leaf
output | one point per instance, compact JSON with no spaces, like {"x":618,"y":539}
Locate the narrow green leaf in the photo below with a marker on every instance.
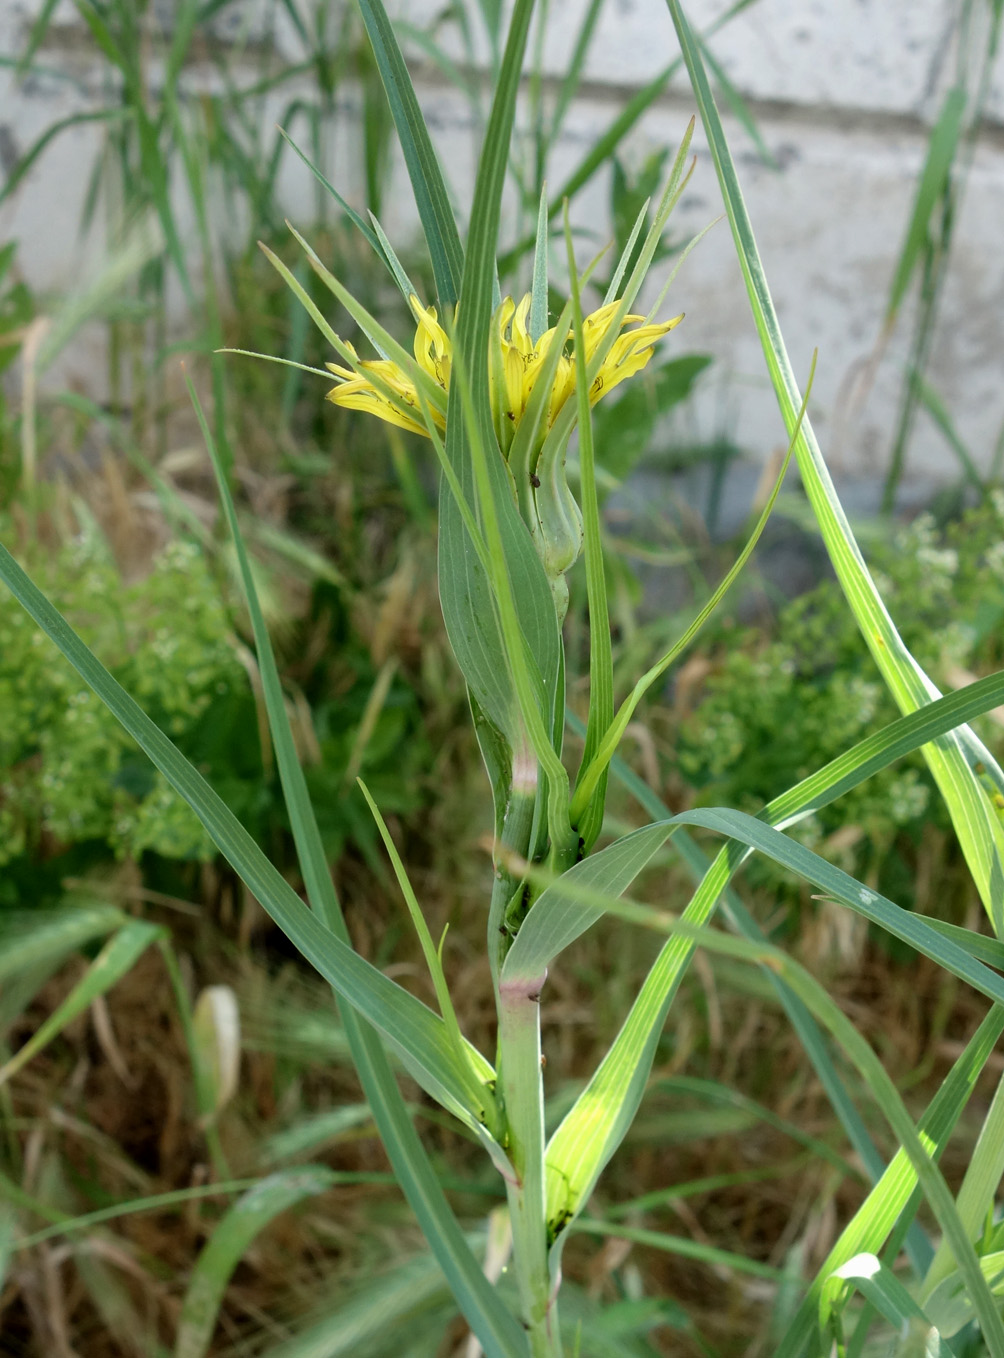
{"x":42,"y":937}
{"x":27,"y":160}
{"x":951,"y":1306}
{"x":951,"y":759}
{"x":448,"y":1074}
{"x":491,"y":1321}
{"x":917,"y":1147}
{"x":411,"y":1027}
{"x":977,"y":1197}
{"x":683,"y":1246}
{"x":613,"y":733}
{"x":376,"y":238}
{"x":606,"y":144}
{"x":560,"y":914}
{"x":941,"y":150}
{"x":117,"y":957}
{"x":984,"y":949}
{"x":617,"y":277}
{"x":36,"y":37}
{"x":538,"y":287}
{"x":404,"y":283}
{"x":382,"y":339}
{"x":229,"y":1242}
{"x":742,"y":921}
{"x":466,"y":591}
{"x":889,"y":1297}
{"x":573,"y":73}
{"x":601,"y":665}
{"x":387,"y":1308}
{"x":739,"y":107}
{"x":595,"y":1126}
{"x":904,"y":924}
{"x":434,"y":210}
{"x":432,"y":959}
{"x":938,"y":412}
{"x":675,"y":186}
{"x":314,"y":1133}
{"x":713,"y":1092}
{"x":532,"y":729}
{"x":8,"y":1227}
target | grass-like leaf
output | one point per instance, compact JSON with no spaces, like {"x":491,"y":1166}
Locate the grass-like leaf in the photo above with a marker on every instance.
{"x":894,"y":1194}
{"x":116,"y":958}
{"x":595,"y":1126}
{"x":467,"y":593}
{"x":976,"y":820}
{"x":488,"y":1318}
{"x":601,"y":665}
{"x":438,"y":223}
{"x":229,"y":1242}
{"x":612,"y":735}
{"x":918,"y":1148}
{"x":404,"y":1021}
{"x":883,"y":1289}
{"x":45,"y":938}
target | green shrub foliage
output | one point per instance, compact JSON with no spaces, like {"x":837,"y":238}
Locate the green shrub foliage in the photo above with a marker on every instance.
{"x":68,"y":772}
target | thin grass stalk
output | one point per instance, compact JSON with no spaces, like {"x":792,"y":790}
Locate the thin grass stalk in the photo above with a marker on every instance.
{"x":938,"y":247}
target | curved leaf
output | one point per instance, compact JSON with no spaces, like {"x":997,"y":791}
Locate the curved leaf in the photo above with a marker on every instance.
{"x":438,"y":223}
{"x":408,"y":1024}
{"x":229,"y":1242}
{"x":118,"y":956}
{"x":955,"y":760}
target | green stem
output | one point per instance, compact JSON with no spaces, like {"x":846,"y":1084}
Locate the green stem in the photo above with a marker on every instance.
{"x":515,"y":840}
{"x":523,"y":1092}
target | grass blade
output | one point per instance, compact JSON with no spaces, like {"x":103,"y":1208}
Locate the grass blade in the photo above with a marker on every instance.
{"x":489,"y":1319}
{"x":941,"y":151}
{"x":976,"y":819}
{"x":916,"y":1146}
{"x":230,"y":1239}
{"x":467,"y":593}
{"x":873,"y":1222}
{"x":886,"y":1293}
{"x":404,"y":1021}
{"x":47,"y":937}
{"x":118,"y":956}
{"x":601,"y":664}
{"x":438,"y":223}
{"x":597,"y":1123}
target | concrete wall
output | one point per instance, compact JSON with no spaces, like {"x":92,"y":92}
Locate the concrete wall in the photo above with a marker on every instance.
{"x":844,"y":93}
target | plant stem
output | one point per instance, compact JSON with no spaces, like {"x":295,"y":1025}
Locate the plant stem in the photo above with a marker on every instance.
{"x":514,"y":840}
{"x":523,"y":1092}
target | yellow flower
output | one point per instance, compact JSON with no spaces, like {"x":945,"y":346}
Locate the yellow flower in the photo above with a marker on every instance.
{"x":384,"y":389}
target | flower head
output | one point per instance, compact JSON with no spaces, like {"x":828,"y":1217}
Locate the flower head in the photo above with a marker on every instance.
{"x":385,"y":389}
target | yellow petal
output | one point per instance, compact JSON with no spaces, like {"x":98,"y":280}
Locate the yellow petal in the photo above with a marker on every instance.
{"x":628,"y":355}
{"x":432,"y":344}
{"x":562,"y":387}
{"x":504,"y":314}
{"x":512,"y":367}
{"x":366,"y":399}
{"x":520,"y":333}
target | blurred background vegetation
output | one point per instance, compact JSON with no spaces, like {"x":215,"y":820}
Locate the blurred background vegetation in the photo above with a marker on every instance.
{"x":178,"y":1054}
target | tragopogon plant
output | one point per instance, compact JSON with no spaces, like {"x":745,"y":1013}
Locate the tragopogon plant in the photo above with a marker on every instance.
{"x":497,"y":389}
